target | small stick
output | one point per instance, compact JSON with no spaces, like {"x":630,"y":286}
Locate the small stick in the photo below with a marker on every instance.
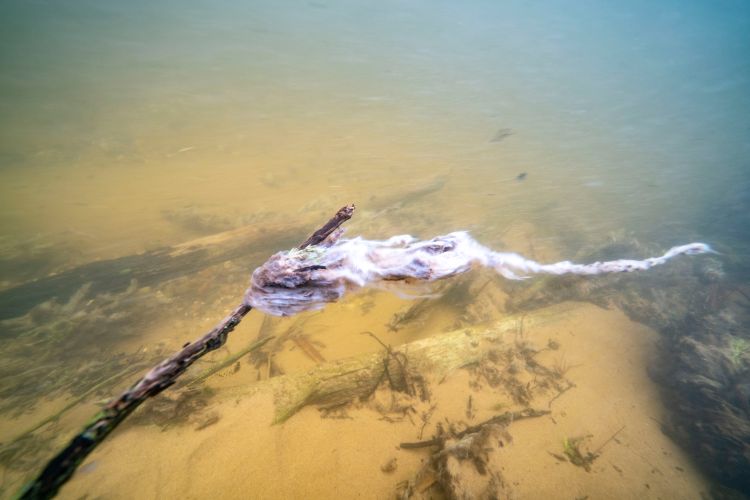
{"x":596,"y":452}
{"x":420,"y":444}
{"x":343,"y":215}
{"x":505,"y":418}
{"x":390,"y":354}
{"x":743,"y":293}
{"x":308,"y":349}
{"x":426,"y":419}
{"x":549,"y":404}
{"x":230,"y":360}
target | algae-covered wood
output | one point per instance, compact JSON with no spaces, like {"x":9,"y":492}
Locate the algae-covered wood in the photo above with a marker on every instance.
{"x":343,"y":380}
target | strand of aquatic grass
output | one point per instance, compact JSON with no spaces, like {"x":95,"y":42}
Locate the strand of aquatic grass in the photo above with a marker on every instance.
{"x":230,"y":360}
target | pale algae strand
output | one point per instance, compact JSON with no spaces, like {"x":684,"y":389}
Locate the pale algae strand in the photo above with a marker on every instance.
{"x":300,"y":280}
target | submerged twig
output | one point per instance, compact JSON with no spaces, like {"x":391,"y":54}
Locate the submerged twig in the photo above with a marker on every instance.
{"x":308,"y":349}
{"x":503,"y":419}
{"x":563,"y":391}
{"x":605,"y":443}
{"x":343,"y":215}
{"x":230,"y":360}
{"x":402,"y":364}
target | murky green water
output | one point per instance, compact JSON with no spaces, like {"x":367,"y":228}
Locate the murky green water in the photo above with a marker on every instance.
{"x":545,"y":128}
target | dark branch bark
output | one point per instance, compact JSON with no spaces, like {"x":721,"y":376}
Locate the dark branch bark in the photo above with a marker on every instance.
{"x":343,"y":215}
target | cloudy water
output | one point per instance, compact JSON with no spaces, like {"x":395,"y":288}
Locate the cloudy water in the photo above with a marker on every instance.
{"x":153,"y":155}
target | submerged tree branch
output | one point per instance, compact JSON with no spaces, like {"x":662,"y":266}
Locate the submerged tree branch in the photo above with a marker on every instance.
{"x":64,"y":464}
{"x":343,"y":215}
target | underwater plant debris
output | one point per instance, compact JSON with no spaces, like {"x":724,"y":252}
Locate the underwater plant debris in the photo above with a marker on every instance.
{"x":308,"y":278}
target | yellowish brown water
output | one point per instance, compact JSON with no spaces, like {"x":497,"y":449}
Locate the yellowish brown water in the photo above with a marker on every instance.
{"x":128,"y":128}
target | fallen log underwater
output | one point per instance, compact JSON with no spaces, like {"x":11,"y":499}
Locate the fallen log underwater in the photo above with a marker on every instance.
{"x":342,"y":381}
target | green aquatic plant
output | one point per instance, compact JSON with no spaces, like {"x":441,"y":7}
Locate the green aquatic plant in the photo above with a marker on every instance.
{"x":572,"y":451}
{"x":499,"y":406}
{"x":310,"y":253}
{"x":738,"y":348}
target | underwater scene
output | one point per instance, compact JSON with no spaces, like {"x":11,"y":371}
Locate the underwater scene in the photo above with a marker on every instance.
{"x":153,"y":155}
